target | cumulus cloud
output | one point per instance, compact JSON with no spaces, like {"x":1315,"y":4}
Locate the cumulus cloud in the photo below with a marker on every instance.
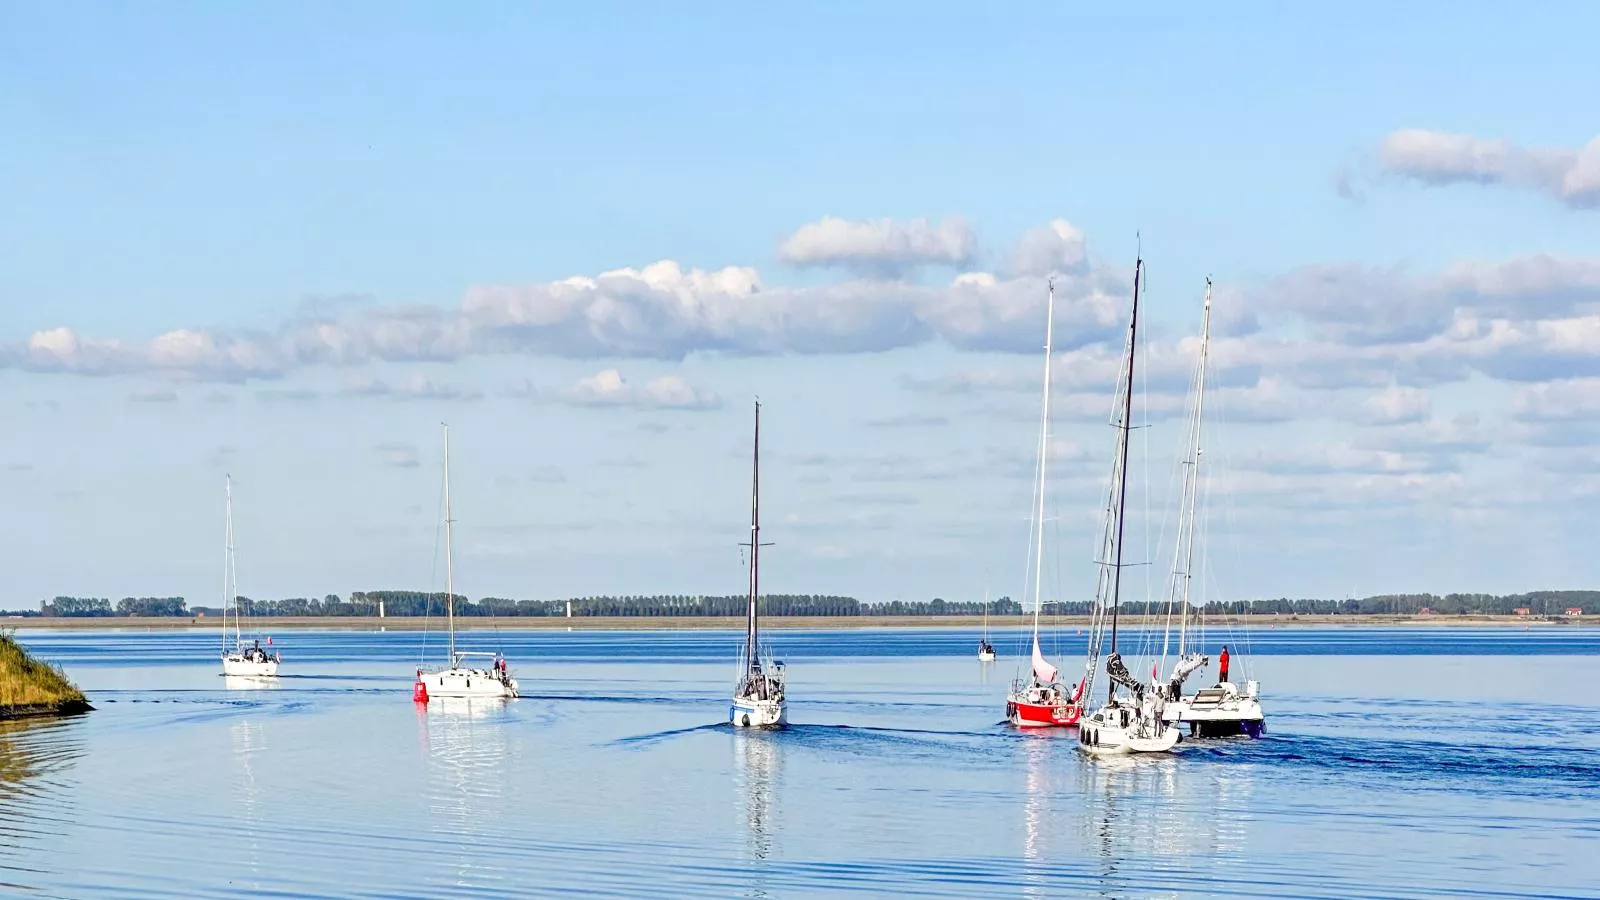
{"x":1558,"y":401}
{"x":608,"y":388}
{"x":1396,"y":405}
{"x":660,"y":311}
{"x":880,"y":247}
{"x":1353,"y":304}
{"x":1569,"y":175}
{"x":1056,"y":248}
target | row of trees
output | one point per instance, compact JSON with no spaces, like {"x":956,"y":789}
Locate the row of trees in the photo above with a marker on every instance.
{"x":94,"y":607}
{"x":417,"y":603}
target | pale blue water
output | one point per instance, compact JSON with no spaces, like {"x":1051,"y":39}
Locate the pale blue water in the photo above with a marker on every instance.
{"x":1397,"y":763}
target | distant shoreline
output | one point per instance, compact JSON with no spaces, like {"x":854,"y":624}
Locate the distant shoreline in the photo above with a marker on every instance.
{"x":713,"y":623}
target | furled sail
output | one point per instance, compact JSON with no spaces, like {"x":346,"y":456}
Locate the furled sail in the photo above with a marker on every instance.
{"x":1042,"y":669}
{"x":1119,"y":674}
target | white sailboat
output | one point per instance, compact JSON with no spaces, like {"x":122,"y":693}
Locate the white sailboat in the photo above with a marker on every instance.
{"x":1040,"y":700}
{"x":241,"y":660}
{"x":1133,"y":723}
{"x":459,"y":679}
{"x":985,"y":649}
{"x":1222,"y":709}
{"x":758,"y":698}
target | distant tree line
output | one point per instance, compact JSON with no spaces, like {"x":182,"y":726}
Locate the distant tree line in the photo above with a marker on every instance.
{"x":95,"y":607}
{"x":418,"y":603}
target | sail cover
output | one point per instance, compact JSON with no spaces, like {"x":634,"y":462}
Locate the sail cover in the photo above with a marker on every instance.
{"x":1042,"y":670}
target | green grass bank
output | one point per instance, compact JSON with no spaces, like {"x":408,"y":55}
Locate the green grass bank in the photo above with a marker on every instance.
{"x":29,"y":687}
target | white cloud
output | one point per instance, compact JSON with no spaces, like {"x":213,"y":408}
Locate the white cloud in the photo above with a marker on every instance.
{"x":608,"y":388}
{"x":883,"y":247}
{"x":659,"y":311}
{"x":1396,"y":405}
{"x":415,"y":386}
{"x":1571,"y":176}
{"x":1055,"y":248}
{"x":1558,"y":401}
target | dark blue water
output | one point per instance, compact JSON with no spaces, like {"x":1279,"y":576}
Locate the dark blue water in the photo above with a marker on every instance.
{"x":1423,"y":762}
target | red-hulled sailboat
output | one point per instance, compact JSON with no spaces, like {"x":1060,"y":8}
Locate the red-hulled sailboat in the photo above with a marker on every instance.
{"x":1040,"y":700}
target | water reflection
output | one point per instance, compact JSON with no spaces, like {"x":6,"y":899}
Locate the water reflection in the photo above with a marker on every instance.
{"x":248,"y":683}
{"x":1150,"y":819}
{"x":757,"y":762}
{"x":247,"y":738}
{"x":37,"y":788}
{"x":467,"y":750}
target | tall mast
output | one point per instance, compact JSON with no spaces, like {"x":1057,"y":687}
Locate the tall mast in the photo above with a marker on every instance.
{"x":1044,"y":454}
{"x":449,"y":555}
{"x":1193,"y":498}
{"x":750,"y":650}
{"x":230,"y":581}
{"x":1122,"y":463}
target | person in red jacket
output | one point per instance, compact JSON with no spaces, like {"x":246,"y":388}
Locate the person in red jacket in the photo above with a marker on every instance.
{"x":1222,"y":662}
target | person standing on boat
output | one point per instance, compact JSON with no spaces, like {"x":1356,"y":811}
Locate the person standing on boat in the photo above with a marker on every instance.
{"x":1222,"y":662}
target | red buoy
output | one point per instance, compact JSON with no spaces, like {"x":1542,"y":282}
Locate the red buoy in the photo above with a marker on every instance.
{"x":419,"y":691}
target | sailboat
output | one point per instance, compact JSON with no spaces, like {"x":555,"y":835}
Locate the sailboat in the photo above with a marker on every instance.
{"x":758,"y":698}
{"x":985,"y":649}
{"x":1040,"y":700}
{"x":1135,"y":723}
{"x":1222,"y":709}
{"x":252,"y":660}
{"x":459,"y":679}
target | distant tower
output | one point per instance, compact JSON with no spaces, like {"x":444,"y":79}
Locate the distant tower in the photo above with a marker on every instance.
{"x":380,"y":607}
{"x":569,"y":609}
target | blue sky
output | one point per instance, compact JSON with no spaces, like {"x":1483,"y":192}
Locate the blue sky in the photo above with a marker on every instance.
{"x":286,"y":243}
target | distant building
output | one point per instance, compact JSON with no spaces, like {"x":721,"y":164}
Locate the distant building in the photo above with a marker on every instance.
{"x":1521,"y":611}
{"x":1425,"y":611}
{"x":1574,"y":611}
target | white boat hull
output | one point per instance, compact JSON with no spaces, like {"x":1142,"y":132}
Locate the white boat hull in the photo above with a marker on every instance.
{"x":758,"y":713}
{"x":1219,"y":711}
{"x":238,"y":666}
{"x":985,"y":656}
{"x":459,"y":682}
{"x":1121,"y":730}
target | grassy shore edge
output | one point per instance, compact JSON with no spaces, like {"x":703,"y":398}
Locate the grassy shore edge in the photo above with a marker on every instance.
{"x":31,"y":687}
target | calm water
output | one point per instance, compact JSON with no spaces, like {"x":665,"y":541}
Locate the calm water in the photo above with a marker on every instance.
{"x":1398,"y":763}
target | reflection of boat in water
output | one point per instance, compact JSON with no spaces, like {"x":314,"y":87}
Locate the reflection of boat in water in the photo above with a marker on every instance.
{"x":247,"y":738}
{"x":457,"y":679}
{"x":250,"y":660}
{"x":250,"y":683}
{"x":1222,"y":709}
{"x":469,"y":707}
{"x":757,"y":763}
{"x":467,"y":749}
{"x":758,"y":698}
{"x":1131,"y":724}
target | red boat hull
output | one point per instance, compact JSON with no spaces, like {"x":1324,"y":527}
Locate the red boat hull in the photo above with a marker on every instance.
{"x":1040,"y":715}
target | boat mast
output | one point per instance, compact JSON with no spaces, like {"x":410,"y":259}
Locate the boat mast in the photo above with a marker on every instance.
{"x":230,"y":581}
{"x":449,"y":555}
{"x":1044,"y":454}
{"x":750,"y":649}
{"x":1193,"y":498}
{"x":1122,"y":461}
